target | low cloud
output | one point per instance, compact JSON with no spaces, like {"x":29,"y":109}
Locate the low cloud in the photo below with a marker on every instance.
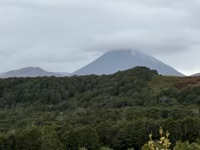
{"x":65,"y":35}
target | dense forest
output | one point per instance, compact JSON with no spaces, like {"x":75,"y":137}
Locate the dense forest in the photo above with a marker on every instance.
{"x":105,"y":112}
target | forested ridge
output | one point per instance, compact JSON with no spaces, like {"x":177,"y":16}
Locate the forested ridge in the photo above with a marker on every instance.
{"x":117,"y":111}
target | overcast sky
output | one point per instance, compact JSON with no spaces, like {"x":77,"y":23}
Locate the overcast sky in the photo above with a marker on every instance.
{"x":65,"y":35}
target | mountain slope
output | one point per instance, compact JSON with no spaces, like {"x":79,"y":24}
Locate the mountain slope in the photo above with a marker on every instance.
{"x":120,"y":60}
{"x":29,"y":72}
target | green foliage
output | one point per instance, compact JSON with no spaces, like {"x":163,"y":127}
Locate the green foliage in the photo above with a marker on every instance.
{"x":116,"y":111}
{"x":129,"y":135}
{"x":50,"y":140}
{"x":145,"y":147}
{"x":130,"y":149}
{"x":106,"y":133}
{"x":82,"y":148}
{"x":7,"y":142}
{"x":29,"y":139}
{"x":186,"y":146}
{"x":105,"y":148}
{"x":82,"y":137}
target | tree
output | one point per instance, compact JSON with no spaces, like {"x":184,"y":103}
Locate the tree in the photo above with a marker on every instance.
{"x":29,"y":139}
{"x":50,"y":140}
{"x":82,"y":137}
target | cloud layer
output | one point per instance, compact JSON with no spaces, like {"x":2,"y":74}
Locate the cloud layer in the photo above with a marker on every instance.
{"x":64,"y":35}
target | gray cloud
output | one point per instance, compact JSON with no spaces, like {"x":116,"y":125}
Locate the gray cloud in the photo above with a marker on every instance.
{"x":65,"y":35}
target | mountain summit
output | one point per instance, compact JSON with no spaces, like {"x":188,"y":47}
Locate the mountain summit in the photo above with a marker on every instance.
{"x":120,"y":60}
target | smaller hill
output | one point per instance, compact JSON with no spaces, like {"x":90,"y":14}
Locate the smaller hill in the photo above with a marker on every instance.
{"x":197,"y":74}
{"x":30,"y":72}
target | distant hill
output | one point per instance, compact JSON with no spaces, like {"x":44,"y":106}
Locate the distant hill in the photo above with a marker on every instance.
{"x":197,"y":74}
{"x":30,"y":72}
{"x":120,"y":60}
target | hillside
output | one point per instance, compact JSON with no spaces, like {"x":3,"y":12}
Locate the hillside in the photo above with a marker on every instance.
{"x":116,"y":111}
{"x":120,"y":60}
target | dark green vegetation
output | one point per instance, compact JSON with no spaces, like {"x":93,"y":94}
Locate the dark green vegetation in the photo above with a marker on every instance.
{"x":116,"y":111}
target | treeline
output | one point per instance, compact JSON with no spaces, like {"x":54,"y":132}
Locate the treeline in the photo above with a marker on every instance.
{"x":116,"y":111}
{"x":84,"y":89}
